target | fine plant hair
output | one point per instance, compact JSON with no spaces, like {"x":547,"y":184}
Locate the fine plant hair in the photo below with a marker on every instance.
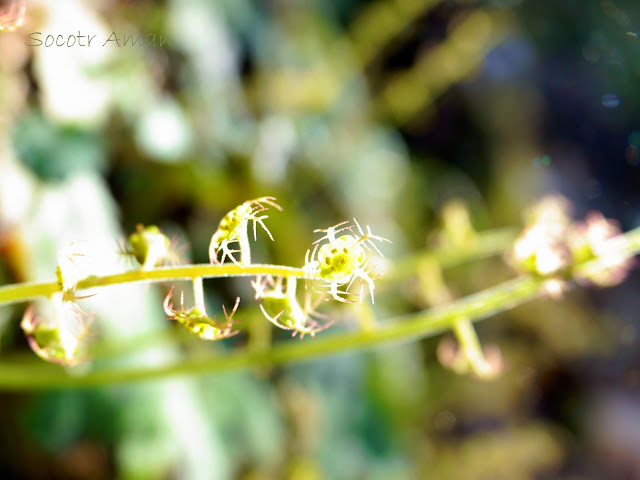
{"x":552,"y":253}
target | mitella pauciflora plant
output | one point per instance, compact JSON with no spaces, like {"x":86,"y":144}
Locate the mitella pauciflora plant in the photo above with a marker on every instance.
{"x":552,"y":252}
{"x":337,"y":261}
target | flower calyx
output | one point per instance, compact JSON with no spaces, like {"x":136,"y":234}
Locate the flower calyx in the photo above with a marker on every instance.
{"x":198,"y":322}
{"x":58,"y":338}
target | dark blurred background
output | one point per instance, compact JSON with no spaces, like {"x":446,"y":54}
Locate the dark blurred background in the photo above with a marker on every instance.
{"x":384,"y":110}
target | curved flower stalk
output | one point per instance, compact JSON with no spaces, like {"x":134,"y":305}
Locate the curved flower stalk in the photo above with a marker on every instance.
{"x":342,"y":260}
{"x":196,"y":319}
{"x":58,"y":338}
{"x":280,"y":306}
{"x":485,"y":364}
{"x":233,"y":228}
{"x":466,"y":355}
{"x":457,"y":229}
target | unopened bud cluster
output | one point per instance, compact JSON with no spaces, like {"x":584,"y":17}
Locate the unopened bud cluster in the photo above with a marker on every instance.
{"x":553,"y":245}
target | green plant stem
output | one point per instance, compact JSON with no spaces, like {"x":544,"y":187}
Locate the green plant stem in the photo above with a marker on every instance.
{"x":15,"y":376}
{"x":488,"y":243}
{"x":23,"y":292}
{"x":245,"y":246}
{"x":470,"y":344}
{"x":406,"y":328}
{"x":198,"y":295}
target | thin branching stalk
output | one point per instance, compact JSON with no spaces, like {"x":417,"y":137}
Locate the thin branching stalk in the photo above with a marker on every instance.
{"x":16,"y":376}
{"x":27,"y":291}
{"x":245,"y":247}
{"x":486,"y":244}
{"x":470,"y":344}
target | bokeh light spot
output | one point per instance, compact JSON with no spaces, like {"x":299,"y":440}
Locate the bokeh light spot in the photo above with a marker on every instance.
{"x":610,"y":100}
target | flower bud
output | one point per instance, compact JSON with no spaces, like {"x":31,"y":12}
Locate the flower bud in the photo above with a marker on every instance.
{"x":149,"y":246}
{"x":58,"y":337}
{"x":598,"y":237}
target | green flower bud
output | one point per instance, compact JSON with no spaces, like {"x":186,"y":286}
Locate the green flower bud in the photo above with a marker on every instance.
{"x":149,"y":246}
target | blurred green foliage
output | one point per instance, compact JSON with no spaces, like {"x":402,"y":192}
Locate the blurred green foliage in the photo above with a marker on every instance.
{"x":383,"y":110}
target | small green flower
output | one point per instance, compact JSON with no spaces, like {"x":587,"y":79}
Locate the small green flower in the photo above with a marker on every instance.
{"x":198,"y":322}
{"x":233,"y":229}
{"x":339,"y":259}
{"x":149,"y":246}
{"x":59,"y":338}
{"x":281,"y":307}
{"x":342,"y":260}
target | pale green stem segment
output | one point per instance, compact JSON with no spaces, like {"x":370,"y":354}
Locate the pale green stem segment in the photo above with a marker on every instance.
{"x":486,"y":244}
{"x":245,"y":247}
{"x":292,"y":286}
{"x":23,"y":292}
{"x":16,"y":376}
{"x":470,"y":345}
{"x":364,"y":314}
{"x":198,"y":295}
